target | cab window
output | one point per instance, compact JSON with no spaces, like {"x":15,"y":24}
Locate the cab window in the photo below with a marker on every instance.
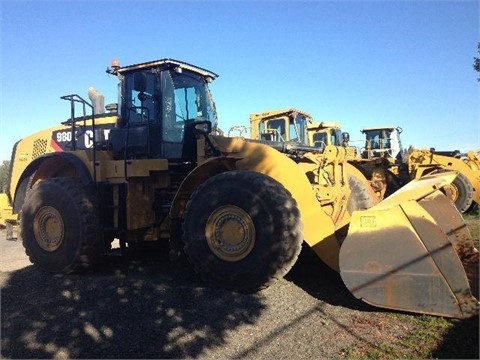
{"x":142,"y":100}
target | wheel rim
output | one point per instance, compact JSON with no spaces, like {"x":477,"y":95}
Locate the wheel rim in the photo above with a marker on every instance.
{"x":48,"y":228}
{"x":230,"y":233}
{"x":451,"y":191}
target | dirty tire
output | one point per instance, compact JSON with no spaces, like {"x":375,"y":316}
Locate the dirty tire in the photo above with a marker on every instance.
{"x":24,"y":188}
{"x":464,"y":190}
{"x":73,"y":247}
{"x":361,"y":196}
{"x":273,"y":217}
{"x":392,"y":184}
{"x":472,"y":207}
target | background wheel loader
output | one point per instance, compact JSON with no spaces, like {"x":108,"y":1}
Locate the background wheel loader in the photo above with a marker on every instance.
{"x":466,"y":186}
{"x":382,"y":159}
{"x":7,"y":219}
{"x":240,"y":209}
{"x":299,"y":126}
{"x":384,"y":142}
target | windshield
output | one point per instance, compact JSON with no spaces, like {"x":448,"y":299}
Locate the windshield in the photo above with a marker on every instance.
{"x":377,"y":139}
{"x":170,"y":99}
{"x":275,"y":130}
{"x":186,"y":97}
{"x":156,"y":107}
{"x":320,"y":139}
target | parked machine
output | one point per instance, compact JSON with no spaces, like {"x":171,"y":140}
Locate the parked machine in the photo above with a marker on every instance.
{"x":296,"y":125}
{"x":466,"y":186}
{"x":384,"y":143}
{"x":7,"y":219}
{"x":239,"y":209}
{"x":384,"y":163}
{"x":293,"y":125}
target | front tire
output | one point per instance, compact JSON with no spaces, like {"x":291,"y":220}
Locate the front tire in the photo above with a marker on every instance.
{"x":462,"y":192}
{"x":242,"y":230}
{"x":60,"y":226}
{"x":465,"y":193}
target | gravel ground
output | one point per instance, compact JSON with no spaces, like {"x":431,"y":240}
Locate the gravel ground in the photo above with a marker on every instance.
{"x":142,"y":308}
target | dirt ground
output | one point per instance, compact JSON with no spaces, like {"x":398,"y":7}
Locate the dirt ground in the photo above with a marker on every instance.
{"x":142,"y":308}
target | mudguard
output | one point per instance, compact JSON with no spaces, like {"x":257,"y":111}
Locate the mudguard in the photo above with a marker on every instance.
{"x":318,"y":227}
{"x":413,"y":252}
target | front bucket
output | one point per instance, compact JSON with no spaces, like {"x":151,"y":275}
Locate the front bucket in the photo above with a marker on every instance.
{"x":413,"y":255}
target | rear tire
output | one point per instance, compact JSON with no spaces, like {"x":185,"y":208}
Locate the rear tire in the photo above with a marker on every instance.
{"x":242,"y":230}
{"x":393,"y":184}
{"x":362,"y":196}
{"x":60,"y":226}
{"x":462,"y":193}
{"x":472,"y":208}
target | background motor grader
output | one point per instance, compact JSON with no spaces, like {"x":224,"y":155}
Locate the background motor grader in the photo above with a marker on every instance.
{"x":240,"y":209}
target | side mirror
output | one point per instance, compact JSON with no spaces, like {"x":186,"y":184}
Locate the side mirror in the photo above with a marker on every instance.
{"x":204,"y":126}
{"x":346,"y":136}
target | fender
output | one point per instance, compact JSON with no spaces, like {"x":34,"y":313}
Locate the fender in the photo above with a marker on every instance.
{"x":47,"y":166}
{"x":197,"y":176}
{"x":238,"y":154}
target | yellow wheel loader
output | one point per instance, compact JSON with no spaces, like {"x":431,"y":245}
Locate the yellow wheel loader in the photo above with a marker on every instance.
{"x":298,"y":126}
{"x":472,"y":159}
{"x":295,"y":125}
{"x":7,"y":219}
{"x":384,"y":143}
{"x":465,"y":188}
{"x":239,"y":209}
{"x":381,"y":159}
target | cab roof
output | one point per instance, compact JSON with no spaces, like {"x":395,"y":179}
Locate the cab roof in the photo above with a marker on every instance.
{"x":274,"y":113}
{"x":379,"y":128}
{"x":164,"y":63}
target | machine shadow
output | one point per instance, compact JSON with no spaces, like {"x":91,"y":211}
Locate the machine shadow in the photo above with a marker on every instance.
{"x":460,"y":342}
{"x":313,"y":276}
{"x":138,"y":308}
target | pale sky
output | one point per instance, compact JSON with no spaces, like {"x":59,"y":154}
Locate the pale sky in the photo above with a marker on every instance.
{"x":363,"y":64}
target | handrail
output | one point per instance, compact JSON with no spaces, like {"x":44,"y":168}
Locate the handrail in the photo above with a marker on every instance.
{"x":74,"y":98}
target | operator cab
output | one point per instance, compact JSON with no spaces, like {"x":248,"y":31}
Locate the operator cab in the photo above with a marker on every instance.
{"x":325,"y":133}
{"x":326,"y":137}
{"x":284,"y":125}
{"x":382,"y":142}
{"x":160,"y":103}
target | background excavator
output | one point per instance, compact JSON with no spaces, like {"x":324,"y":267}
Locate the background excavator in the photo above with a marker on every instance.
{"x":238,"y":209}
